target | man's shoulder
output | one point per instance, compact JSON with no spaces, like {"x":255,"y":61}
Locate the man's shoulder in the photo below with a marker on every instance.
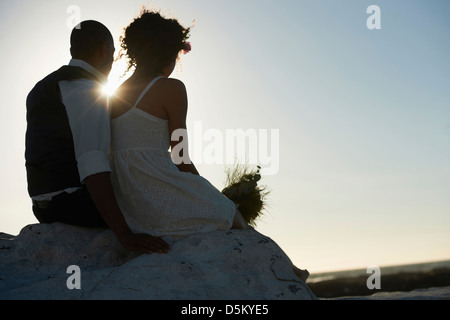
{"x":69,"y":73}
{"x":45,"y":86}
{"x":76,"y":79}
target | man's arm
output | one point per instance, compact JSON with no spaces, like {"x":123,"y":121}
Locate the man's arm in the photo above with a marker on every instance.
{"x":89,"y":121}
{"x":102,"y":193}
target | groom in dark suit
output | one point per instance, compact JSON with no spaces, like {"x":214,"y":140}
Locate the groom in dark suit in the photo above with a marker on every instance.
{"x":68,"y":138}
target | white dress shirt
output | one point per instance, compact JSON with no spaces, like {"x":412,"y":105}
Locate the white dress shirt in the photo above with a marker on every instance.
{"x":88,"y":111}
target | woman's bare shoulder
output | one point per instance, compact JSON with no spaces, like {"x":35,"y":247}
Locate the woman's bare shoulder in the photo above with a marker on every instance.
{"x":171,"y":85}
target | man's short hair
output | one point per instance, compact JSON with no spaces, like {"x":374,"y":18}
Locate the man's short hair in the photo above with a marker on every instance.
{"x":87,"y":37}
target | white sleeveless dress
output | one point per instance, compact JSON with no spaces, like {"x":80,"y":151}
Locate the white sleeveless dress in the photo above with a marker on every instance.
{"x":154,"y":196}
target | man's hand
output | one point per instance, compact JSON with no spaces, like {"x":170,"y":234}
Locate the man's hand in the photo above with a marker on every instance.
{"x":143,"y":243}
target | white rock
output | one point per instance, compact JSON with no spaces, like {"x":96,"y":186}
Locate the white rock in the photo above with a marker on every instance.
{"x":219,"y":265}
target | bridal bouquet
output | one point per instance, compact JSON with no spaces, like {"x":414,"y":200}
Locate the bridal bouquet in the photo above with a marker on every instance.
{"x":242,"y":188}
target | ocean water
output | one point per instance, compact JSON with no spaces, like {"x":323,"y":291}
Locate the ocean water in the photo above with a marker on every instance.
{"x":417,"y":267}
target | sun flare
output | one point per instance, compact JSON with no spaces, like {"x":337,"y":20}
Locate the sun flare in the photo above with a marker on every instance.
{"x":116,"y":77}
{"x":110,"y":87}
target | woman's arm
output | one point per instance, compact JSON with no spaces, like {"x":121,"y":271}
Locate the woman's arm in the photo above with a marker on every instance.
{"x":176,"y":104}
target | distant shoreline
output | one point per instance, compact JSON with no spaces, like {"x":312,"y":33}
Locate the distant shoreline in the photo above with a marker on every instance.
{"x":395,"y":278}
{"x":388,"y":269}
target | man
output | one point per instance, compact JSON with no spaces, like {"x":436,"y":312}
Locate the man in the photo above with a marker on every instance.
{"x":67,"y":142}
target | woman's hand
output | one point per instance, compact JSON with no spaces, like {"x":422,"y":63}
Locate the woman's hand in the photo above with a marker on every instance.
{"x":143,"y":243}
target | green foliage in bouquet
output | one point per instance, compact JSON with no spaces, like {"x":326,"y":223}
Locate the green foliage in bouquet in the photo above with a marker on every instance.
{"x":242,"y":188}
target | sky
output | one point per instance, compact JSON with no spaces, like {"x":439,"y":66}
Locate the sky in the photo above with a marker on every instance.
{"x":351,"y":125}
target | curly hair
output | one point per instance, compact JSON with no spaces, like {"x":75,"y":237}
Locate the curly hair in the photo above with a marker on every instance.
{"x":151,"y":42}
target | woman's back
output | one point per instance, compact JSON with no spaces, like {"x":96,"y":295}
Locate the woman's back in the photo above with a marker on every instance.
{"x":134,"y":127}
{"x":128,"y":95}
{"x":153,"y":194}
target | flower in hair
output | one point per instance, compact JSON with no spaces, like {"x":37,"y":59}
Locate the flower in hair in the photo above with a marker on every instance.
{"x":187,"y":47}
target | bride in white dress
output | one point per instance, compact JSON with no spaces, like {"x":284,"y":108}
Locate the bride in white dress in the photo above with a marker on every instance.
{"x":155,"y":195}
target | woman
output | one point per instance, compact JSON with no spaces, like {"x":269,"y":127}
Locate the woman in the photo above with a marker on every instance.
{"x":156,"y":195}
